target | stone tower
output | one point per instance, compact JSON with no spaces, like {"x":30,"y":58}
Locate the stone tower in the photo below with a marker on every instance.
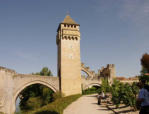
{"x":69,"y":65}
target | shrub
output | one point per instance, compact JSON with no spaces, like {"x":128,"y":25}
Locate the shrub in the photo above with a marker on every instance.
{"x":57,"y":106}
{"x":91,"y":90}
{"x":124,"y":93}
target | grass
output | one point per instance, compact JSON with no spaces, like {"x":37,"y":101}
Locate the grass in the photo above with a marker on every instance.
{"x":55,"y":107}
{"x":92,"y":90}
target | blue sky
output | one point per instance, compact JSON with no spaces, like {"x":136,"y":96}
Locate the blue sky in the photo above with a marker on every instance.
{"x":112,"y":32}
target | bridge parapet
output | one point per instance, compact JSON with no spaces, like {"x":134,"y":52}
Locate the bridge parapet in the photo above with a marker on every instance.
{"x":35,"y":76}
{"x":6,"y":70}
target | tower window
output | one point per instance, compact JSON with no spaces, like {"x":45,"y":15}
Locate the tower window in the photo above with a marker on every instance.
{"x":64,"y":25}
{"x":67,"y":25}
{"x":65,"y":37}
{"x":74,"y":26}
{"x":76,"y":38}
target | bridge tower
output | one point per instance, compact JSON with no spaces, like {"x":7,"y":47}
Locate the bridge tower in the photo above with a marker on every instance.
{"x":69,"y":65}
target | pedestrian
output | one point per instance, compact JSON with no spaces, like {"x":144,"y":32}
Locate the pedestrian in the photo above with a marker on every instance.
{"x":143,"y":97}
{"x":103,"y":95}
{"x":99,"y":98}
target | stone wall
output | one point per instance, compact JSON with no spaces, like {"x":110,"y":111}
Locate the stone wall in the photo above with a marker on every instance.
{"x":6,"y":89}
{"x":107,"y":72}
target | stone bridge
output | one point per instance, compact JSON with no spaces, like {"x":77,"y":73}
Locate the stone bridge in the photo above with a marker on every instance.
{"x":12,"y":83}
{"x":87,"y":83}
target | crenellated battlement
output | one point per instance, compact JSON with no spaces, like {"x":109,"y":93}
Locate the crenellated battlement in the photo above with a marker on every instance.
{"x":110,"y":65}
{"x":67,"y":37}
{"x":107,"y":72}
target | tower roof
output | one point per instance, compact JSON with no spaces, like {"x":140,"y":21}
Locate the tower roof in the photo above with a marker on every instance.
{"x":69,"y":20}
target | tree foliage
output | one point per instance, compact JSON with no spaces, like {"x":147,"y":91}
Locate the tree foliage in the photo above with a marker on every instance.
{"x":44,"y":72}
{"x":124,"y":93}
{"x":145,"y":61}
{"x":145,"y":68}
{"x":91,"y":90}
{"x":105,"y":87}
{"x":36,"y":95}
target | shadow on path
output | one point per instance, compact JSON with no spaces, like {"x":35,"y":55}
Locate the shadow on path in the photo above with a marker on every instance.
{"x":125,"y":111}
{"x":47,"y":112}
{"x":91,"y":96}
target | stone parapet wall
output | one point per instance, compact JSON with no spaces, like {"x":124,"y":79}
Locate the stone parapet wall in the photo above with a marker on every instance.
{"x":3,"y":69}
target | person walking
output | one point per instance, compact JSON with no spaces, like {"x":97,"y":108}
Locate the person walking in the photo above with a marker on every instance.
{"x":99,"y":98}
{"x":143,"y":97}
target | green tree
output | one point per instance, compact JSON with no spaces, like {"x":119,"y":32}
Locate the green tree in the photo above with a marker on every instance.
{"x":145,"y":61}
{"x":44,"y":72}
{"x":145,"y":67}
{"x":124,"y":93}
{"x":115,"y":89}
{"x":105,"y":86}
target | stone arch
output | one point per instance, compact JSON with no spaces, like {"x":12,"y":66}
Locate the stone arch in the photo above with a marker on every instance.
{"x":29,"y":84}
{"x":87,"y":71}
{"x":35,"y":82}
{"x":92,"y":84}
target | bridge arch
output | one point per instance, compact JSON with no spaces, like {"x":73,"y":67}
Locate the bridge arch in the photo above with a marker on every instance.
{"x":88,"y":74}
{"x":91,"y":85}
{"x":87,"y":70}
{"x":22,"y":86}
{"x":32,"y":83}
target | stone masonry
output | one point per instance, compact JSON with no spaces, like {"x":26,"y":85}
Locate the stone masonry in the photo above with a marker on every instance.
{"x":69,"y":64}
